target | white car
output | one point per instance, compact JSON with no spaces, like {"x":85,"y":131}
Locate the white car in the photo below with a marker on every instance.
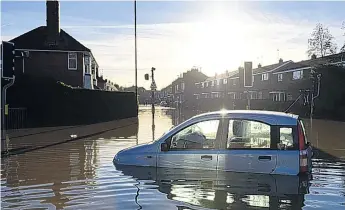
{"x":240,"y":141}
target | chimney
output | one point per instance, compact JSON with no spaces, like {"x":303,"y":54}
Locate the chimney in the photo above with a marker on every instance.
{"x":259,"y":65}
{"x":313,"y":56}
{"x":53,"y":21}
{"x":280,"y":60}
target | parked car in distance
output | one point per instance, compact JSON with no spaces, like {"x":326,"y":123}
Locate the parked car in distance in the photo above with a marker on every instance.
{"x":240,"y":141}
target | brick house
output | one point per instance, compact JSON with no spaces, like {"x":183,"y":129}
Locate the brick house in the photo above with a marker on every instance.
{"x":282,"y":81}
{"x":166,"y":94}
{"x":52,"y":52}
{"x":106,"y":84}
{"x":183,"y":88}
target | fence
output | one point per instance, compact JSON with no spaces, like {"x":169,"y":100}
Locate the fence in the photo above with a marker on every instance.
{"x":16,"y":118}
{"x":51,"y":104}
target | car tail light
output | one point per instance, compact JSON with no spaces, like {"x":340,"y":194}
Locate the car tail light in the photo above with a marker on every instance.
{"x":303,"y":157}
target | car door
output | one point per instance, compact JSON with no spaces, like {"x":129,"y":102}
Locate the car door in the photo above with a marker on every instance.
{"x":248,"y":147}
{"x":193,"y":147}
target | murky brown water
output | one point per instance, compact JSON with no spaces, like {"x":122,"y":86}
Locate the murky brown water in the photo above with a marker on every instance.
{"x":80,"y":175}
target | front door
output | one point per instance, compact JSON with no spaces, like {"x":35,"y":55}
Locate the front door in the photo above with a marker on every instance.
{"x":193,"y":147}
{"x":248,"y":148}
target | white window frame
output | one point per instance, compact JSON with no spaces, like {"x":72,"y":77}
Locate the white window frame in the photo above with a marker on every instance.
{"x":280,"y":77}
{"x":296,"y":75}
{"x":182,"y":86}
{"x":206,"y":84}
{"x":76,"y":60}
{"x":87,"y":62}
{"x":278,"y":96}
{"x":232,"y":95}
{"x":225,"y":81}
{"x":264,"y":77}
{"x":202,"y":85}
{"x":260,"y":95}
{"x":212,"y":83}
{"x":218,"y":82}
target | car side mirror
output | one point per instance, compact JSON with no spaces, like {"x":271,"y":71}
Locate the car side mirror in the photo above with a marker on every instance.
{"x":164,"y":147}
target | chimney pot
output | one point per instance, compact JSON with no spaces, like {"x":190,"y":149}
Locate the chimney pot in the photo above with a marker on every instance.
{"x":280,"y":60}
{"x":259,"y":65}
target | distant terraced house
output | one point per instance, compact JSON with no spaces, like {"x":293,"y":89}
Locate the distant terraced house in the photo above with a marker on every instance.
{"x":52,"y":52}
{"x":282,"y":81}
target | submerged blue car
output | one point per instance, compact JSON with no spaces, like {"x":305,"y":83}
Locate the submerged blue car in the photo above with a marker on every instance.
{"x":239,"y":141}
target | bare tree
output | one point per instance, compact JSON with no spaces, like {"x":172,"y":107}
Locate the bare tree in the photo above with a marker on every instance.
{"x":343,"y":48}
{"x":321,"y":42}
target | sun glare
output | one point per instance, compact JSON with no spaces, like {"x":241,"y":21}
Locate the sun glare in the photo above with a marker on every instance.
{"x":218,"y":43}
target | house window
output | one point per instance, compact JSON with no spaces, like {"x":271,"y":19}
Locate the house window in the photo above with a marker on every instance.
{"x":225,"y":81}
{"x":212,"y":83}
{"x":280,"y":77}
{"x":87,"y":64}
{"x":264,"y":76}
{"x":232,"y":95}
{"x":218,"y":82}
{"x":202,"y":85}
{"x":253,"y":95}
{"x":289,"y":97}
{"x":72,"y":61}
{"x":93,"y":68}
{"x":260,"y":95}
{"x":297,"y":75}
{"x":182,"y":86}
{"x":206,"y":84}
{"x":278,"y":96}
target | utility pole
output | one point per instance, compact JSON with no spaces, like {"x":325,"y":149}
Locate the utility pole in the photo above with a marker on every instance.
{"x":153,"y":88}
{"x":317,"y":79}
{"x":135,"y":52}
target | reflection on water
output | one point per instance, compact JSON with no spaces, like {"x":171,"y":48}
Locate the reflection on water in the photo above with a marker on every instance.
{"x":81,"y":175}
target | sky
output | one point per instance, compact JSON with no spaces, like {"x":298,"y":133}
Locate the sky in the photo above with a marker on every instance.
{"x":175,"y":36}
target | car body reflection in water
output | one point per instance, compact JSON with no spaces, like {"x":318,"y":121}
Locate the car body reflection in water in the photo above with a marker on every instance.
{"x":224,"y":190}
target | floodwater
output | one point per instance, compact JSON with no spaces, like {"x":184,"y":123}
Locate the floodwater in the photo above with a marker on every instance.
{"x":80,"y":175}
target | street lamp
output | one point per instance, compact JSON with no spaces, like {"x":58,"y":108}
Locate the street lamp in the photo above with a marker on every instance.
{"x":135,"y":51}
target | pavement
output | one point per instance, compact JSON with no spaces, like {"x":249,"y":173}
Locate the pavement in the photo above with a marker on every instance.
{"x":24,"y":140}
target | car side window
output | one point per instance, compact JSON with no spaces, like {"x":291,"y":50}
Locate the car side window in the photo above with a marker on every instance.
{"x":201,"y":135}
{"x":246,"y":134}
{"x":285,"y":138}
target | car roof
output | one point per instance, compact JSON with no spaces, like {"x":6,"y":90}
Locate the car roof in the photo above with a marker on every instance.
{"x":270,"y":117}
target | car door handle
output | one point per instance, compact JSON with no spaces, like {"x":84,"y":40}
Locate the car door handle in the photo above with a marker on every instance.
{"x":206,"y":157}
{"x":149,"y":156}
{"x":264,"y":158}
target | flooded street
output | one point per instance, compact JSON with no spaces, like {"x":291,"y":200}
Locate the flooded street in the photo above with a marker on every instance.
{"x":80,"y":175}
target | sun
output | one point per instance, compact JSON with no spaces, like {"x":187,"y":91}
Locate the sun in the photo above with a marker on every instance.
{"x":218,"y":43}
